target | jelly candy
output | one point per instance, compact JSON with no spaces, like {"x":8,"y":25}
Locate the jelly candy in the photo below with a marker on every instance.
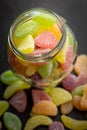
{"x":46,"y":70}
{"x":76,"y":102}
{"x":69,"y":57}
{"x":56,"y":31}
{"x":66,"y":108}
{"x":84,"y":97}
{"x":19,"y":101}
{"x":61,"y":57}
{"x":11,"y":89}
{"x":56,"y":125}
{"x":31,"y":69}
{"x":82,"y":79}
{"x":78,"y":91}
{"x":74,"y":124}
{"x":46,"y":40}
{"x":36,"y":121}
{"x":27,"y":45}
{"x":25,"y":29}
{"x":81,"y":64}
{"x":4,"y":105}
{"x":45,"y":108}
{"x":39,"y":95}
{"x":12,"y":121}
{"x":70,"y":82}
{"x":44,"y":19}
{"x":0,"y":125}
{"x":8,"y":77}
{"x":59,"y":95}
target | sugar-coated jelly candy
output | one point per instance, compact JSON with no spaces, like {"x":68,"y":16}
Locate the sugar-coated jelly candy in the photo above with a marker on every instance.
{"x":13,"y":88}
{"x":46,"y":70}
{"x":59,"y":95}
{"x":56,"y":125}
{"x":19,"y":101}
{"x":45,"y":108}
{"x":26,"y":28}
{"x":36,"y":121}
{"x":74,"y":124}
{"x":8,"y":77}
{"x":77,"y":103}
{"x":12,"y":121}
{"x":70,"y":82}
{"x":39,"y":95}
{"x":81,"y":64}
{"x":46,"y":40}
{"x":66,"y":108}
{"x":30,"y":70}
{"x":4,"y":105}
{"x":44,"y":19}
{"x":27,"y":45}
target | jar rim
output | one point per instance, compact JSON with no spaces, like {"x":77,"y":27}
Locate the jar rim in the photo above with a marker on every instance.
{"x":41,"y":57}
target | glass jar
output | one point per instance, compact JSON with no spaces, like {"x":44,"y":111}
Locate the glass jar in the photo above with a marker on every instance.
{"x":41,"y":48}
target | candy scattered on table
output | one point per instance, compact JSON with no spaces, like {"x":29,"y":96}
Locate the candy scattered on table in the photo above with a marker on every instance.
{"x":46,"y":102}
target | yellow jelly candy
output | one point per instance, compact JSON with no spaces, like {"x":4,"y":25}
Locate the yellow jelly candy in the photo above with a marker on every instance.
{"x":11,"y":89}
{"x":4,"y":105}
{"x":59,"y":95}
{"x":36,"y":121}
{"x":74,"y":124}
{"x":31,"y":69}
{"x":27,"y":45}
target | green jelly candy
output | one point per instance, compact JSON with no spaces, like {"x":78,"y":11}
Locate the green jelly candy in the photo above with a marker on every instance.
{"x":4,"y":105}
{"x":12,"y":121}
{"x":44,"y":19}
{"x":74,"y":124}
{"x":46,"y":70}
{"x":36,"y":121}
{"x":13,"y":88}
{"x":59,"y":96}
{"x":78,"y":91}
{"x":26,"y":28}
{"x":8,"y":77}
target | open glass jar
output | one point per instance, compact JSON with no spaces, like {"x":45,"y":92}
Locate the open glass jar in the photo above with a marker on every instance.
{"x":42,"y":48}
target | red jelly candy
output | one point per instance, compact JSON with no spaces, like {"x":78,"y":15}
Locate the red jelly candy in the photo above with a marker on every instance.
{"x":70,"y":82}
{"x":39,"y":95}
{"x":46,"y":40}
{"x":56,"y":125}
{"x":82,"y":79}
{"x":19,"y":101}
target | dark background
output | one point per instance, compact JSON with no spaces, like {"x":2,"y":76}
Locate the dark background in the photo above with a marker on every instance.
{"x":74,"y":11}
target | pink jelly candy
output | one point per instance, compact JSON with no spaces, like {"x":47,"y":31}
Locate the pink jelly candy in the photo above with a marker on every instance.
{"x":39,"y":95}
{"x":46,"y":40}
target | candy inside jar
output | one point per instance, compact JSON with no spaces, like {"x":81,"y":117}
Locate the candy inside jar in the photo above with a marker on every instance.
{"x":42,"y":48}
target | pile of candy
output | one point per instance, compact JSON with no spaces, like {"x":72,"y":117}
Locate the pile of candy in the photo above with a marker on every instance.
{"x":35,"y":37}
{"x":46,"y":103}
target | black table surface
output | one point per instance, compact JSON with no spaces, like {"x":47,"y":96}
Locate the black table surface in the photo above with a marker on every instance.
{"x":74,"y":11}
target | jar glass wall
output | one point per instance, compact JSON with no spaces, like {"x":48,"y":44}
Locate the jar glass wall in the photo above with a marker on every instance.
{"x":42,"y":48}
